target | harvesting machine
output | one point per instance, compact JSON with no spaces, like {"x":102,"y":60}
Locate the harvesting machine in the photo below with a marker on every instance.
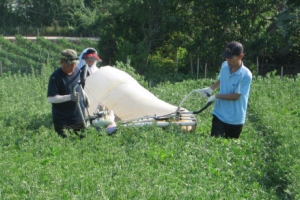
{"x":115,"y":96}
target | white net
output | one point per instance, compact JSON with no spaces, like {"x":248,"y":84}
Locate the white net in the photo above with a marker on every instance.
{"x":120,"y":92}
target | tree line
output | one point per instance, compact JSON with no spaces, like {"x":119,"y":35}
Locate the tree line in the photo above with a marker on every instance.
{"x":164,"y":36}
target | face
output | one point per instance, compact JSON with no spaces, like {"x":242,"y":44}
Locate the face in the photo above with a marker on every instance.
{"x":89,"y":62}
{"x":68,"y":68}
{"x":234,"y":61}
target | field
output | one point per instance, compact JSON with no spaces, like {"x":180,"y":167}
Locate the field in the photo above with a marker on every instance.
{"x":148,"y":162}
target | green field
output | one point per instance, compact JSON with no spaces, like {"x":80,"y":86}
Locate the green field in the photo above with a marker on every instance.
{"x":149,"y":162}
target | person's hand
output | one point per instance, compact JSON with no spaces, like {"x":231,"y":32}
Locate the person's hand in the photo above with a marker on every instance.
{"x":205,"y":92}
{"x":86,"y":101}
{"x":211,"y":99}
{"x":75,"y":97}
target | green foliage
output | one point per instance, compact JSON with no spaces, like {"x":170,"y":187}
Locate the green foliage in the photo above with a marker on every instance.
{"x":84,"y":18}
{"x":174,"y":62}
{"x":150,"y":162}
{"x":132,"y":72}
{"x":146,"y":30}
{"x":202,"y":28}
{"x":53,"y":48}
{"x":277,"y":122}
{"x":160,"y":65}
{"x":66,"y":43}
{"x":57,"y":17}
{"x":83,"y":42}
{"x":9,"y":19}
{"x":25,"y":56}
{"x":288,"y":22}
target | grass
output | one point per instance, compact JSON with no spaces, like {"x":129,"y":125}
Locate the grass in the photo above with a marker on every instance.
{"x":150,"y":162}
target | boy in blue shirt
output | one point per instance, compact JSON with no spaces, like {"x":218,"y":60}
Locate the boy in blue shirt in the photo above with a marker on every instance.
{"x":234,"y":81}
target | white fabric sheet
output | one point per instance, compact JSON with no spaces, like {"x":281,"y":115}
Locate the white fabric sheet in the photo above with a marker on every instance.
{"x":120,"y":92}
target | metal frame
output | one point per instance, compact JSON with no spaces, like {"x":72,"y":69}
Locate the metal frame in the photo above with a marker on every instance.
{"x":179,"y":117}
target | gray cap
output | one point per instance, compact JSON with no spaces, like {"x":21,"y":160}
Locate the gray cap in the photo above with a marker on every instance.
{"x":69,"y":56}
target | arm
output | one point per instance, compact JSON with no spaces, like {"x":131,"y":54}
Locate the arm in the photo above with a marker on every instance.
{"x":59,"y":98}
{"x":242,"y":89}
{"x":215,"y":85}
{"x":233,"y":96}
{"x":53,"y":94}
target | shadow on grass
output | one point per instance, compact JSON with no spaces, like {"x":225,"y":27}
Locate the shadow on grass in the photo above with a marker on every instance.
{"x":30,"y":123}
{"x":41,"y":120}
{"x":274,"y":174}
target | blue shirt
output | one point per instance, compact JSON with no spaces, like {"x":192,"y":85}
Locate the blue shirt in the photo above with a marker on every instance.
{"x":229,"y":111}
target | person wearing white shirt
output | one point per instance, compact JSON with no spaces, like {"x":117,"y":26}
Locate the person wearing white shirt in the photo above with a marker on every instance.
{"x":88,"y":58}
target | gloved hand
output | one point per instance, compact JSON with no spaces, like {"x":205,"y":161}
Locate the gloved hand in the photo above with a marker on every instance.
{"x":212,"y":98}
{"x":86,"y":101}
{"x":205,"y":92}
{"x":75,"y":97}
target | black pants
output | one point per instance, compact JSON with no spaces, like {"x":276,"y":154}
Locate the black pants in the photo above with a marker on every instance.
{"x":221,"y":129}
{"x":59,"y":129}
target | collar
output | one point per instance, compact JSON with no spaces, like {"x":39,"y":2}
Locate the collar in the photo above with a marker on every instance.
{"x":237,"y":71}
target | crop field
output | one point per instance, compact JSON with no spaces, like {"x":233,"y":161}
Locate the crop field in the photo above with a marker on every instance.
{"x":146,"y":162}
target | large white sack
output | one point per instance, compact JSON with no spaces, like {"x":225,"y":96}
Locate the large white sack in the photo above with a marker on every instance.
{"x":120,"y":92}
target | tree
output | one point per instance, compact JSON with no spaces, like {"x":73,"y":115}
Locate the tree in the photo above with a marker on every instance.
{"x":8,"y":16}
{"x":138,"y":28}
{"x":141,"y":29}
{"x":219,"y":22}
{"x":286,"y":25}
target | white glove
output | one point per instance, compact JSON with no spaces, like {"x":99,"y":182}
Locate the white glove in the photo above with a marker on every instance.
{"x":205,"y":92}
{"x":211,"y":99}
{"x":75,"y":97}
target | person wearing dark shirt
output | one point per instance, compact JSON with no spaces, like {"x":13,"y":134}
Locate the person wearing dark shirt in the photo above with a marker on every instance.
{"x":66,"y":113}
